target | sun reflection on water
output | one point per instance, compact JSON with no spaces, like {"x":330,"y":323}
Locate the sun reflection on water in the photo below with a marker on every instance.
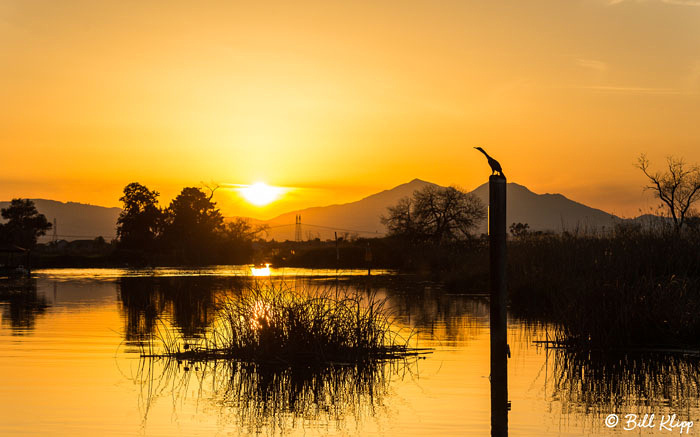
{"x":260,"y":271}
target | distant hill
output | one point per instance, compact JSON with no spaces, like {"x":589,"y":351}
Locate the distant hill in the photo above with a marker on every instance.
{"x":543,"y":212}
{"x":77,"y":221}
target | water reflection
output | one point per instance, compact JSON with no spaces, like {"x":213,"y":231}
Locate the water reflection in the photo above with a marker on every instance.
{"x":269,"y":399}
{"x":436,"y":315}
{"x":21,"y":304}
{"x":187,"y":302}
{"x":575,"y":391}
{"x":603,"y":383}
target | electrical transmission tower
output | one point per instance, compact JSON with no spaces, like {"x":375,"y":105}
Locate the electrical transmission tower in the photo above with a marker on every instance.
{"x":297,"y":228}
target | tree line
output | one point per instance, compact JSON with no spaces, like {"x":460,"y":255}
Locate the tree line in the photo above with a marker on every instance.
{"x":190,"y":230}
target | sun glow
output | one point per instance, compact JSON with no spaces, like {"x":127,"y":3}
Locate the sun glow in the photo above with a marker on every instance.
{"x":260,"y":193}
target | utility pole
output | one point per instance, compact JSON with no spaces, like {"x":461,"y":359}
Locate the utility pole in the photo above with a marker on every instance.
{"x":297,"y":228}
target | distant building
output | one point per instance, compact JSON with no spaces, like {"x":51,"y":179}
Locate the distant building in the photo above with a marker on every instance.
{"x":13,"y":260}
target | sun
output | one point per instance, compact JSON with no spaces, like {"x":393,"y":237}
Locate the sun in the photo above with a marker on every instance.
{"x":260,"y":193}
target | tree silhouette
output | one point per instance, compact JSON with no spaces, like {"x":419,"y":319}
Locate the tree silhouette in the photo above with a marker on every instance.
{"x":139,"y":223}
{"x":678,"y":187}
{"x":24,"y":223}
{"x":519,"y":230}
{"x":435,"y":214}
{"x":192,"y":225}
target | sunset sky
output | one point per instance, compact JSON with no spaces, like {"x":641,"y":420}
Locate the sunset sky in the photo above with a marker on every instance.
{"x":339,"y":100}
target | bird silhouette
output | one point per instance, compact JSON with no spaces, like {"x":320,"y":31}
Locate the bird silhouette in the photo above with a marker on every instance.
{"x":495,"y":166}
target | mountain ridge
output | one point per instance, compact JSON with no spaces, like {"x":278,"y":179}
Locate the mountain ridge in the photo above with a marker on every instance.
{"x":542,"y":212}
{"x":76,"y":220}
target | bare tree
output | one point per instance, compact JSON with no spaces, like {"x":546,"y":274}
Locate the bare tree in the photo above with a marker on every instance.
{"x":678,"y":187}
{"x":211,"y":187}
{"x":435,"y":214}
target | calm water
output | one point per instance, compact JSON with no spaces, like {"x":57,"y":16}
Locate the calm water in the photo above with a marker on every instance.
{"x":70,"y":365}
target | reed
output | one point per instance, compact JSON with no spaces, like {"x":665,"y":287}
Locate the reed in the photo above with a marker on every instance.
{"x":274,"y":323}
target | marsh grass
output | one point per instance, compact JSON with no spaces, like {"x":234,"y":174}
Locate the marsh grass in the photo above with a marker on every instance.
{"x":627,"y":290}
{"x":274,"y":323}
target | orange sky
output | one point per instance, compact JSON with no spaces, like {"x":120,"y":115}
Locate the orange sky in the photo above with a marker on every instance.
{"x":344,"y":98}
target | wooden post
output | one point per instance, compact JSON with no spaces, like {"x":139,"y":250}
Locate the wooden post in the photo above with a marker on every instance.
{"x":368,"y":259}
{"x":337,"y":251}
{"x":498,"y":323}
{"x":28,"y":262}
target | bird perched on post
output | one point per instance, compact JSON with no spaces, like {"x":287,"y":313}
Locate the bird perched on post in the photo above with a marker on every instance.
{"x":495,"y":166}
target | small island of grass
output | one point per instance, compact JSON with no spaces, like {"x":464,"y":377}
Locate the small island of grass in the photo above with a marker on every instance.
{"x":278,"y":324}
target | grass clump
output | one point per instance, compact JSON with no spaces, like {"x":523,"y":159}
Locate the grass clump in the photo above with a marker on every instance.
{"x":275,"y":323}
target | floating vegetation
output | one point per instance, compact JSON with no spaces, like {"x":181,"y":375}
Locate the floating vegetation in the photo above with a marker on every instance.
{"x":273,"y":323}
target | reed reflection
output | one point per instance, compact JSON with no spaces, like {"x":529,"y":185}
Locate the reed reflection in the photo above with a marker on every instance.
{"x":270,"y":399}
{"x":21,"y":304}
{"x":599,"y":383}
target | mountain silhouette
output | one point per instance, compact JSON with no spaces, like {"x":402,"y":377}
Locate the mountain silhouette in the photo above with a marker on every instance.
{"x":547,"y":212}
{"x":77,"y":221}
{"x":543,"y":212}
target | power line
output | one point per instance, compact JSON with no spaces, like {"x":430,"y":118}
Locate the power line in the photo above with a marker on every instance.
{"x":78,"y":236}
{"x":344,"y":230}
{"x":330,"y":228}
{"x":323,"y":227}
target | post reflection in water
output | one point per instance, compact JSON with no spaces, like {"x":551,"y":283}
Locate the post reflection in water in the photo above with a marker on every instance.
{"x":499,"y":395}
